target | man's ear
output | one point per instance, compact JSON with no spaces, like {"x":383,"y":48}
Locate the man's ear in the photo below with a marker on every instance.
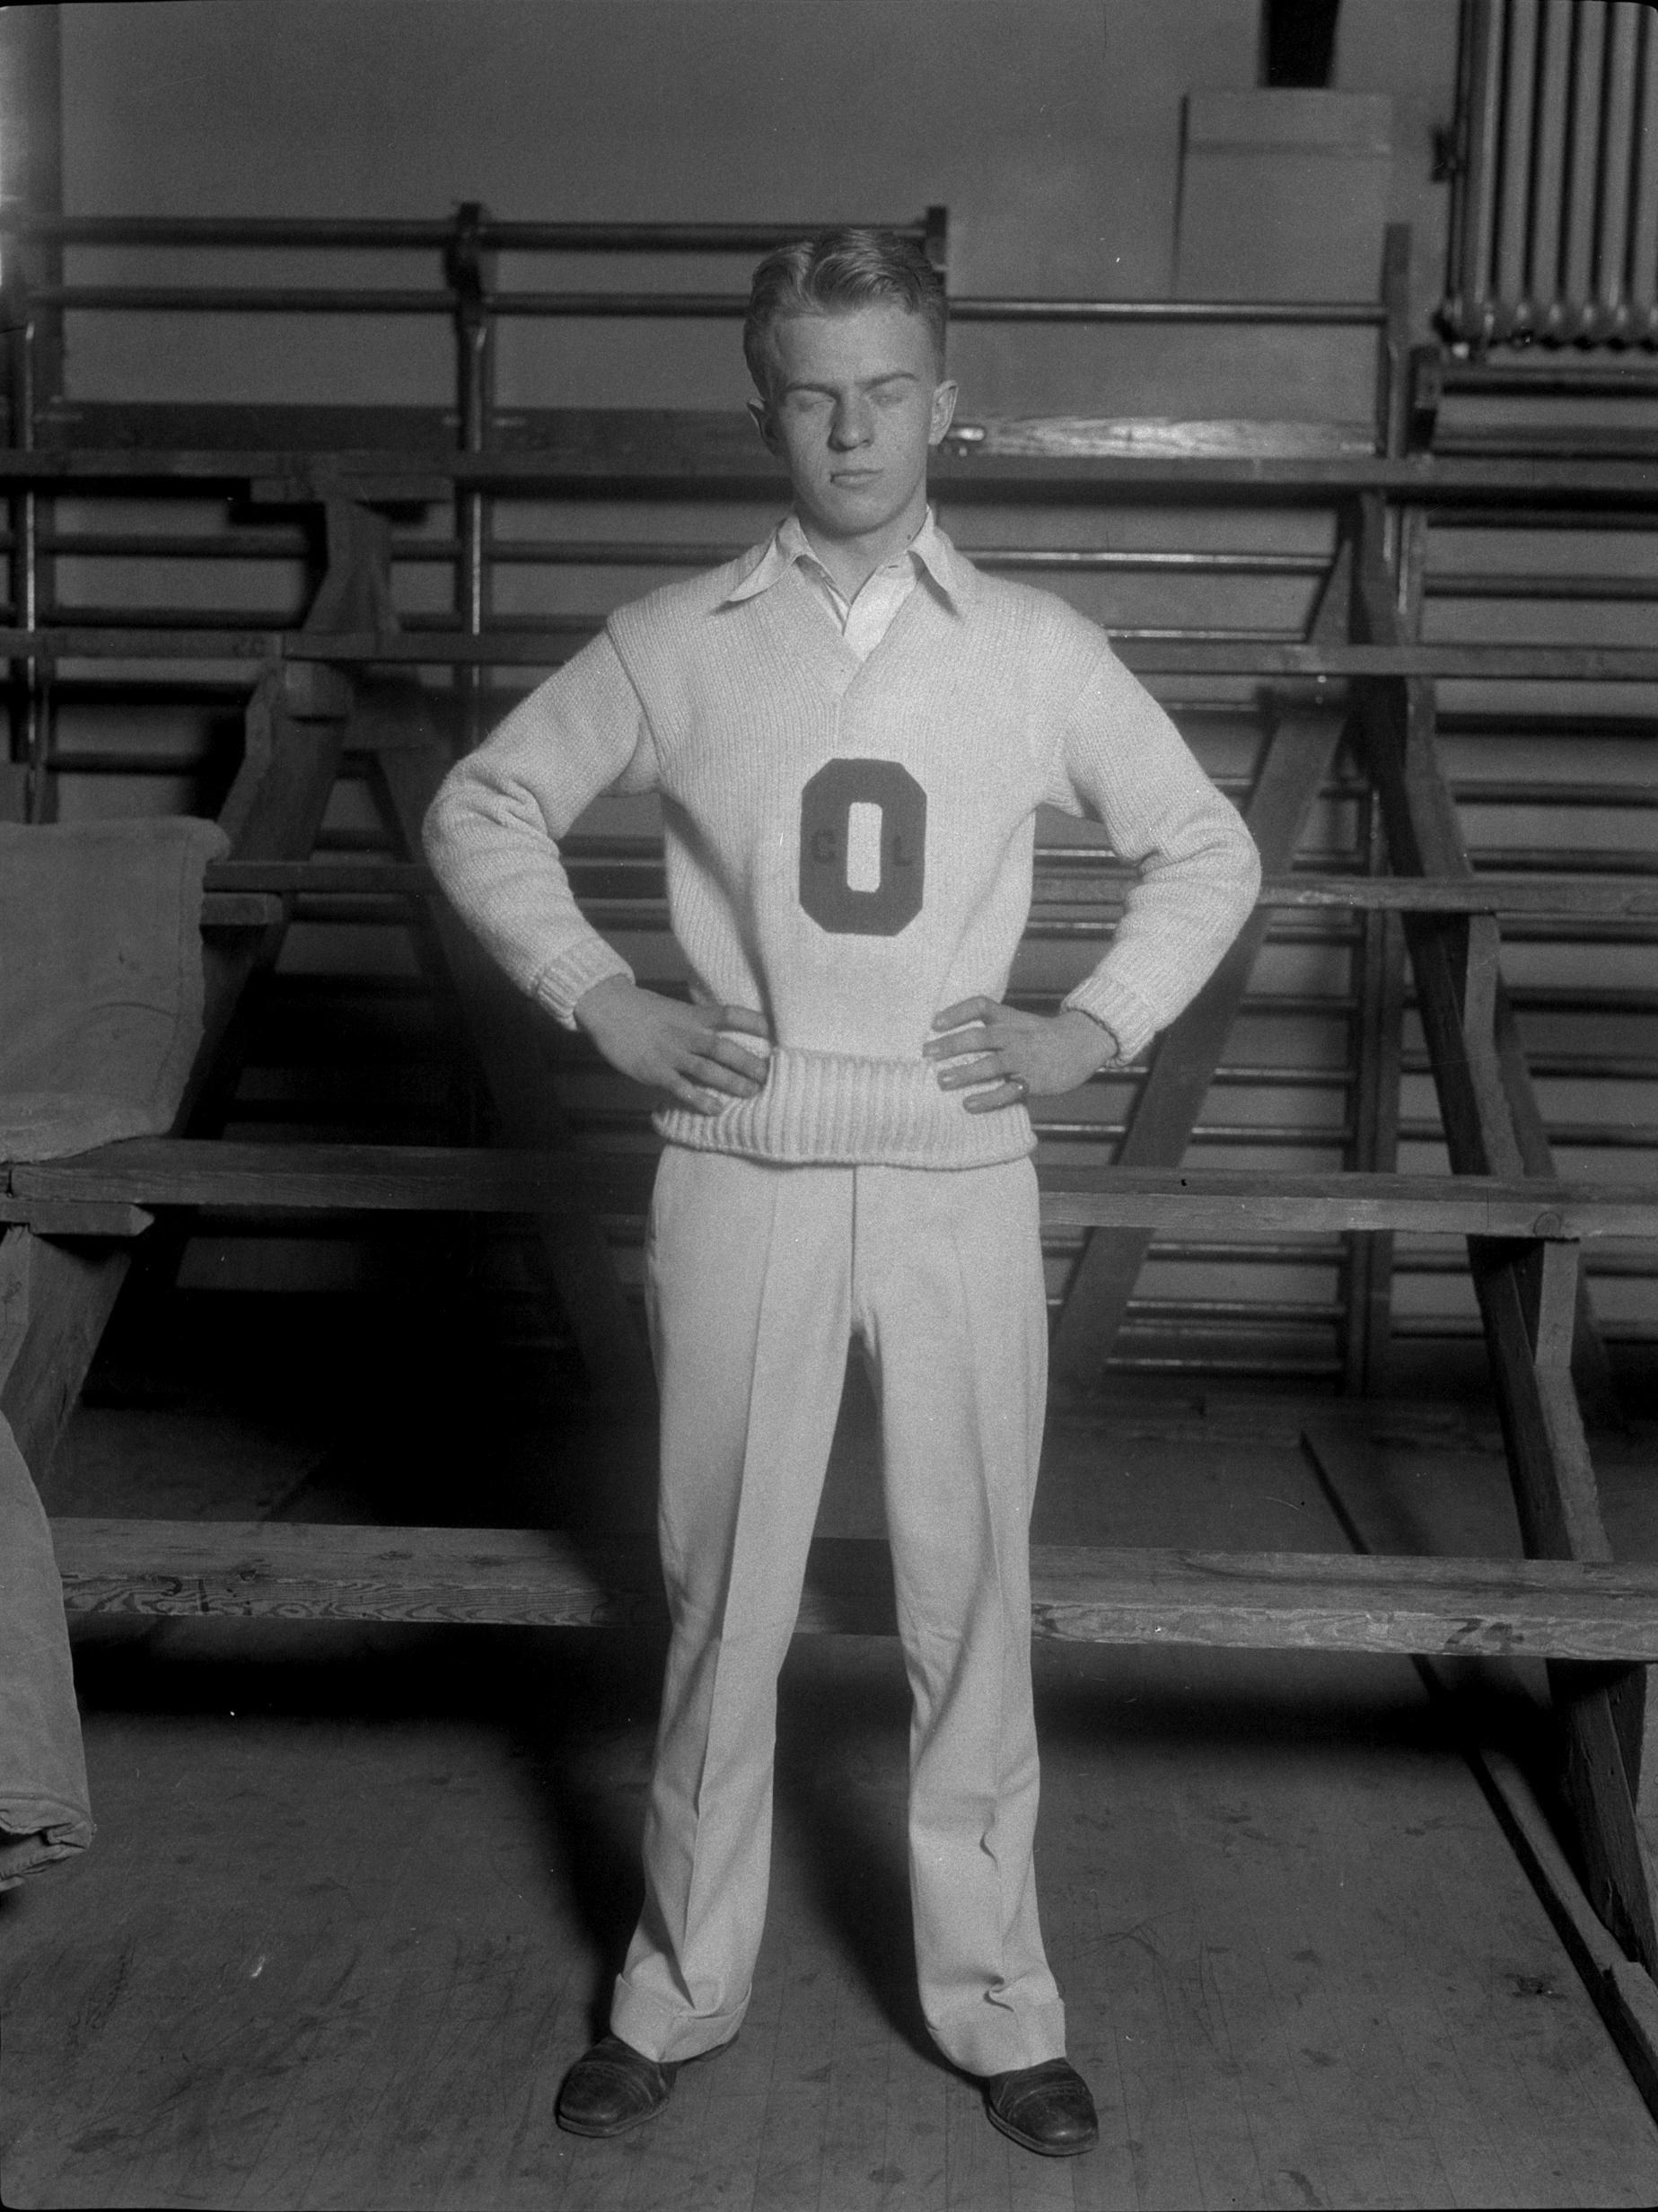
{"x":759,"y":415}
{"x":944,"y":411}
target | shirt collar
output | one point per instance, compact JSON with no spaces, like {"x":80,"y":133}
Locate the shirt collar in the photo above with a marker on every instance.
{"x":788,"y":544}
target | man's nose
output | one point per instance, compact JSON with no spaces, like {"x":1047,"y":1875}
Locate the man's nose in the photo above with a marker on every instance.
{"x":853,"y":425}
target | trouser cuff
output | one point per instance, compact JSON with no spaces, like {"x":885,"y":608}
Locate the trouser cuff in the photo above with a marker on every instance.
{"x":982,"y":2043}
{"x":666,"y":2034}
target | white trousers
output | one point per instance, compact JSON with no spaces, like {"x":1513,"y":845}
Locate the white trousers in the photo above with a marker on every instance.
{"x":758,"y":1277}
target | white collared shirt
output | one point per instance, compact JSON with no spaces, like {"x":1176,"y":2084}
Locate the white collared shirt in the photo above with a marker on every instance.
{"x":865,"y":620}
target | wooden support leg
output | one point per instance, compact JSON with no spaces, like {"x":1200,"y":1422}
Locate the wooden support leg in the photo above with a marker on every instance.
{"x":1591,"y":1368}
{"x":55,"y":1296}
{"x":1297,"y":760}
{"x":355,"y":590}
{"x":1598,"y":1707}
{"x":294,"y":734}
{"x":1424,"y":838}
{"x":1644,"y":1779}
{"x":1530,"y":1293}
{"x":1369,"y":1293}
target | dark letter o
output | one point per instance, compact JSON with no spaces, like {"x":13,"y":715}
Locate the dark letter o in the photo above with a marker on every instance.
{"x":826,"y":807}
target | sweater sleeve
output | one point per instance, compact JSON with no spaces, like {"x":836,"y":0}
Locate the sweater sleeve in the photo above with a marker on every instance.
{"x":1123,"y":761}
{"x":492,"y":832}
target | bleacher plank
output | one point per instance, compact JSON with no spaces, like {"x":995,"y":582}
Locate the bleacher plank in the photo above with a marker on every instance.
{"x":1261,"y":1601}
{"x":644,"y":448}
{"x":95,"y":1217}
{"x":158,"y":1172}
{"x":546,"y":643}
{"x":334,"y":1177}
{"x":1613,"y":897}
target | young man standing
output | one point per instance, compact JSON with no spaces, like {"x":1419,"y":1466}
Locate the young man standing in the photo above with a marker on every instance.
{"x":851,"y":730}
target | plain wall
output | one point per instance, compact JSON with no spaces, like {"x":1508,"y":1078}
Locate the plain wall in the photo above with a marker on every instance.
{"x":1050,"y":128}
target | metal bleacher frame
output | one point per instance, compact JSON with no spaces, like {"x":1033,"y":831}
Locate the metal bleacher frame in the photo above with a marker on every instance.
{"x":345,"y":678}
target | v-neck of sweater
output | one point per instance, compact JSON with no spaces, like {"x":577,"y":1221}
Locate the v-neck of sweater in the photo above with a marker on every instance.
{"x":788,"y":606}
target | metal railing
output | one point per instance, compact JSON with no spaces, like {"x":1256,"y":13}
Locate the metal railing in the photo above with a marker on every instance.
{"x":34,"y":299}
{"x":473,"y":303}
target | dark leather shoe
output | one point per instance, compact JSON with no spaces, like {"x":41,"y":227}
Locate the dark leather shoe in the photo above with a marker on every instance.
{"x":612,"y":2087}
{"x":1044,"y":2108}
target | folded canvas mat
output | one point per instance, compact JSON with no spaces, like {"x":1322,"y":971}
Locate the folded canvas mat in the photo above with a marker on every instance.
{"x":101,"y":978}
{"x":45,"y":1813}
{"x":100,"y":1014}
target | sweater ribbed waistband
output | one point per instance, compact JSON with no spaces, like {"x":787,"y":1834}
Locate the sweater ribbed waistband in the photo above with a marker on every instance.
{"x":837,"y":1108}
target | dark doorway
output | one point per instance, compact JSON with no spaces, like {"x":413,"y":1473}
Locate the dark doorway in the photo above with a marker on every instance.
{"x":1298,"y":41}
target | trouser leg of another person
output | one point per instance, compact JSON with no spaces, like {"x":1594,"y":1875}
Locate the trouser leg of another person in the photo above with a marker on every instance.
{"x":748,"y":1273}
{"x":948,"y":1295}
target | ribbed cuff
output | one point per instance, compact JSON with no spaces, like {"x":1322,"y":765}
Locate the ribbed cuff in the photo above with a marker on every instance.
{"x":1118,"y":1007}
{"x":568,"y":979}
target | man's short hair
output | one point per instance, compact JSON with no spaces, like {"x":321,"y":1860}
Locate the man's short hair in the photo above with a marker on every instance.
{"x":834,"y":272}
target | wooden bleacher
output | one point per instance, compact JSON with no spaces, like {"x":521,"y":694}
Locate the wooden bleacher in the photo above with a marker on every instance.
{"x":1359,"y":684}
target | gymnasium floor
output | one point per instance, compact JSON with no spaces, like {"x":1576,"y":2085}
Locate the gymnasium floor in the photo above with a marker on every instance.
{"x":356,"y":1892}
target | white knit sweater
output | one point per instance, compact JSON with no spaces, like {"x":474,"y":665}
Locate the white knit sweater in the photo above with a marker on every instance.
{"x":848,"y":844}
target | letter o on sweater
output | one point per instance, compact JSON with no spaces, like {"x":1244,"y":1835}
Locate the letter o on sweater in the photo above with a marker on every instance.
{"x":838,"y":847}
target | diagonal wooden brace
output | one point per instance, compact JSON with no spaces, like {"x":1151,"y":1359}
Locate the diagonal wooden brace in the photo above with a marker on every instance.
{"x":1294,"y":764}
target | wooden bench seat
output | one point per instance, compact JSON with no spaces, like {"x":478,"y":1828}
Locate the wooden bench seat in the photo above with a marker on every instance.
{"x":1556,"y":1608}
{"x":239,"y":892}
{"x":86,"y":1193}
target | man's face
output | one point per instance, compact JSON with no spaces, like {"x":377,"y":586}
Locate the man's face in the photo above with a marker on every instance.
{"x":855,"y":402}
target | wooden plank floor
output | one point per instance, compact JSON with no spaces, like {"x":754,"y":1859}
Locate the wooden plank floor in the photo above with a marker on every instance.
{"x":356,"y":1894}
{"x":345,"y":1923}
